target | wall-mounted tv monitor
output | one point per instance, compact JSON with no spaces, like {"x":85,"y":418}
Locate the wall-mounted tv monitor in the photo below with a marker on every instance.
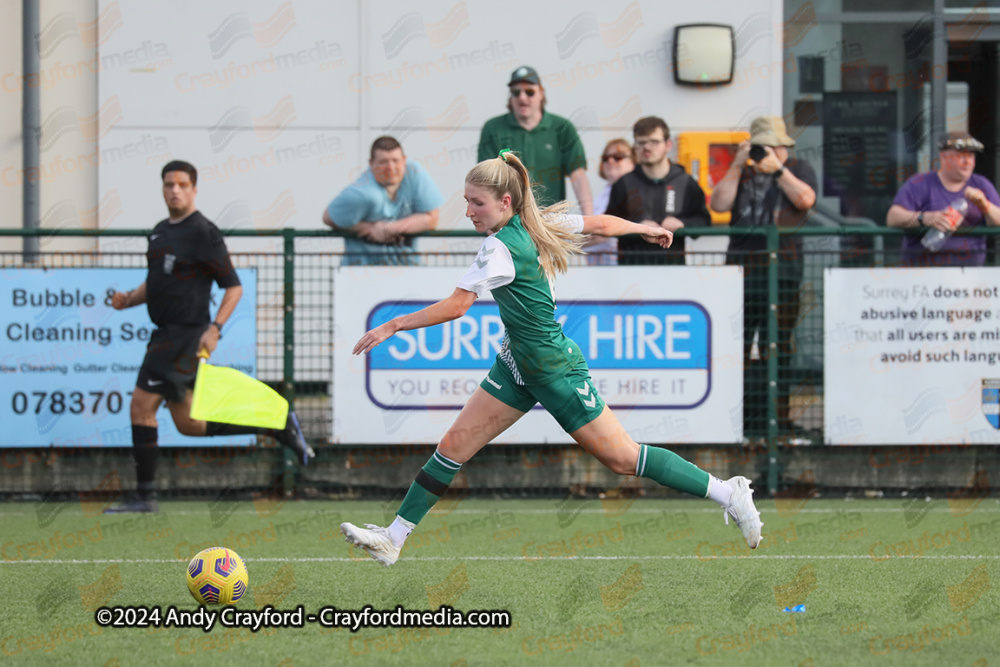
{"x":704,"y":54}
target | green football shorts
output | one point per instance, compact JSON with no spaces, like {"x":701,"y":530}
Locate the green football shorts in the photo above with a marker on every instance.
{"x":572,"y":399}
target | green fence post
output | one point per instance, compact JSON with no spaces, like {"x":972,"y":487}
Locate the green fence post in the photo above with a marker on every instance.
{"x":772,"y":358}
{"x":288,"y":374}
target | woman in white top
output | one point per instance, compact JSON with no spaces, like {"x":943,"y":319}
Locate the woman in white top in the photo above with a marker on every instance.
{"x":617,"y":159}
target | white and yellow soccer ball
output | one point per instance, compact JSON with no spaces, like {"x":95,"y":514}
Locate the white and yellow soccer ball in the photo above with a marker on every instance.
{"x":217,"y":576}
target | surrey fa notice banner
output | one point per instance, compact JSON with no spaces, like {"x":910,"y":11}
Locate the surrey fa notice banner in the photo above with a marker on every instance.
{"x":69,"y":361}
{"x":912,"y":356}
{"x":663,"y":345}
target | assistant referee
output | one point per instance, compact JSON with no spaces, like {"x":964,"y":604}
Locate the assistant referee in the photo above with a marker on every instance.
{"x":186,"y":254}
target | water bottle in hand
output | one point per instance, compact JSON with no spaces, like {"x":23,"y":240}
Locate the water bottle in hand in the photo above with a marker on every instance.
{"x":934,"y":239}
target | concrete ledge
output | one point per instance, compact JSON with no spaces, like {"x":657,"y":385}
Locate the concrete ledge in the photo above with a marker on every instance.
{"x":523,"y":470}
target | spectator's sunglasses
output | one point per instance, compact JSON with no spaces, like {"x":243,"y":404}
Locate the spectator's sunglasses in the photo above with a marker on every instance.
{"x":516,"y":92}
{"x":614,"y":157}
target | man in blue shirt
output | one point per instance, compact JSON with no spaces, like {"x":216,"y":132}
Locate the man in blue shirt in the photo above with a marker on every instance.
{"x":385,"y":207}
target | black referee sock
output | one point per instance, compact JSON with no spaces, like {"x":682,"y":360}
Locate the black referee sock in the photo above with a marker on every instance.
{"x":144,"y":451}
{"x":213,"y":429}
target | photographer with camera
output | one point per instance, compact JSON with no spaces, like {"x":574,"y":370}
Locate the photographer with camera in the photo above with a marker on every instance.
{"x":764,"y":186}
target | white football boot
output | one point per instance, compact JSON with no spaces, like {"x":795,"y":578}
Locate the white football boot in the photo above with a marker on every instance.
{"x":743,"y":511}
{"x":376,"y":541}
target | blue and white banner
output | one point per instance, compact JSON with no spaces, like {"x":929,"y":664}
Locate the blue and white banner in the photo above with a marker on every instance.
{"x":69,"y":361}
{"x":663,"y":345}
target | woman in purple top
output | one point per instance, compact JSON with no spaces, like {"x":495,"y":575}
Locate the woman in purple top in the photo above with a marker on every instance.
{"x":922,"y":201}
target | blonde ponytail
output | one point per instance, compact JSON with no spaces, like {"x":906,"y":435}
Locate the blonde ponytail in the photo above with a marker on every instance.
{"x":508,"y":175}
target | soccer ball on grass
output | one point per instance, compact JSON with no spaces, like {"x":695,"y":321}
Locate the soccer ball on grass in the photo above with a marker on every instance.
{"x":217,"y":576}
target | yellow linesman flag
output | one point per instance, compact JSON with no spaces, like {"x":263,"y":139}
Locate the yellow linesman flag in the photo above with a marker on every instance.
{"x":226,"y":395}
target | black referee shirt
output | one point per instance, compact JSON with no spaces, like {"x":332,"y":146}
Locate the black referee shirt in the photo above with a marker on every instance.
{"x":184,"y":258}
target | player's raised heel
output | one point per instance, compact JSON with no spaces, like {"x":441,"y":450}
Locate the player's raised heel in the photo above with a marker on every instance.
{"x":743,"y":511}
{"x":373,"y":539}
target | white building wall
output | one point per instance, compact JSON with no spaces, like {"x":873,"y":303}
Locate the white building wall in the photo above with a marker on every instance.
{"x":277,"y":103}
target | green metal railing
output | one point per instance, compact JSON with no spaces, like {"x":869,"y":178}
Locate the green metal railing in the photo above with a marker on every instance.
{"x":297,"y":368}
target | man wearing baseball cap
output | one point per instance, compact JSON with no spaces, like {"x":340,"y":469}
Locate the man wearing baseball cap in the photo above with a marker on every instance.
{"x":772,"y":189}
{"x":546,"y":143}
{"x":923,"y":200}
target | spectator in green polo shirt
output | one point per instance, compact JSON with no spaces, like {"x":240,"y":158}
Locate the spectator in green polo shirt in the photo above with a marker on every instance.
{"x":546,"y":143}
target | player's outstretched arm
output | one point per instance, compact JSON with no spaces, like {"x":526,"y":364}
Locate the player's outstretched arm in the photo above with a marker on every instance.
{"x":610,"y":225}
{"x":445,"y":310}
{"x":123,"y":300}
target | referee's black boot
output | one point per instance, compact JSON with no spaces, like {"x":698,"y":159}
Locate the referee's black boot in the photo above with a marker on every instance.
{"x":291,"y":436}
{"x":143,"y":503}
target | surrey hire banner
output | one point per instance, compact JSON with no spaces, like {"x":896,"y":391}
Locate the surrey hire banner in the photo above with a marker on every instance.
{"x":663,"y":345}
{"x":69,"y":361}
{"x":912,"y":356}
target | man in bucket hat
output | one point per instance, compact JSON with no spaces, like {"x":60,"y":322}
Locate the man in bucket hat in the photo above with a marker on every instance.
{"x":764,"y":186}
{"x":547,"y":144}
{"x":924,"y":199}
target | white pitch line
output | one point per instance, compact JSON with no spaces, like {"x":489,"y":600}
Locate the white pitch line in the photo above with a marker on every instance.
{"x":610,"y":511}
{"x":713,"y":510}
{"x":505,"y":558}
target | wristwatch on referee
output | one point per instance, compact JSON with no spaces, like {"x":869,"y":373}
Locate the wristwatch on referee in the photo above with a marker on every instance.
{"x":920,"y":219}
{"x":218,"y":327}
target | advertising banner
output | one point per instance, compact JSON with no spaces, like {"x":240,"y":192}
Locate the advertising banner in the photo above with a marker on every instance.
{"x":663,"y":346}
{"x":912,"y":356}
{"x":69,"y":361}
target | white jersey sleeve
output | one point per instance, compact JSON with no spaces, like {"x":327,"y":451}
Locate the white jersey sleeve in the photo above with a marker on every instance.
{"x":570,"y":222}
{"x":492,"y":268}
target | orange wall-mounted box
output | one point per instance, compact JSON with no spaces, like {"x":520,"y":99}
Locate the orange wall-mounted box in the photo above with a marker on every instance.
{"x":707,"y":156}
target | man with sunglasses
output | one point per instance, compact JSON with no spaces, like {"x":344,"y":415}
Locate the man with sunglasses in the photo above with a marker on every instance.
{"x":924,"y":198}
{"x":547,"y":144}
{"x":658,"y":194}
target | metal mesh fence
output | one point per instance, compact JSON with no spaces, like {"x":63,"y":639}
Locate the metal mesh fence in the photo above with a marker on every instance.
{"x":296,"y":334}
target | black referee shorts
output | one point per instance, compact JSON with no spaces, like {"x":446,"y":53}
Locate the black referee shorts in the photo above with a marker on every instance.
{"x":171,"y":361}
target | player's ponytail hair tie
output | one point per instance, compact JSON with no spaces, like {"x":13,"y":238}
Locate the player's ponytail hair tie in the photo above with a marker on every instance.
{"x":503,"y":154}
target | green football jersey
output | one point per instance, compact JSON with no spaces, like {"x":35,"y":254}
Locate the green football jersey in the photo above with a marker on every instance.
{"x":534,"y":347}
{"x":551,"y":151}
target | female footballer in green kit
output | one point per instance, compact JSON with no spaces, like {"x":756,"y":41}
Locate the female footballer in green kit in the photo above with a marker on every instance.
{"x":537,"y":362}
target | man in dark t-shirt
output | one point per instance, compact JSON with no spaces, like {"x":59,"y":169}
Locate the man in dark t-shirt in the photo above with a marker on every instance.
{"x":657,"y":193}
{"x":186,"y":254}
{"x":772,"y":190}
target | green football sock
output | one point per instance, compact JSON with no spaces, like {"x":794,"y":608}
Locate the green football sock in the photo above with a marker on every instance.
{"x":431,"y":483}
{"x":669,"y":469}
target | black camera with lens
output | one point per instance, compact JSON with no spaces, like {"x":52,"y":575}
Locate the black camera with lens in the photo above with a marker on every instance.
{"x":757,"y":153}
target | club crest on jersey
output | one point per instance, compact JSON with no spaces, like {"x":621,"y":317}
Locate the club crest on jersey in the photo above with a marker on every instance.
{"x":168,"y":264}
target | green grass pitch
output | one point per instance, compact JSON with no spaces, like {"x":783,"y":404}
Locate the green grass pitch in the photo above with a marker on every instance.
{"x":883,"y":582}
